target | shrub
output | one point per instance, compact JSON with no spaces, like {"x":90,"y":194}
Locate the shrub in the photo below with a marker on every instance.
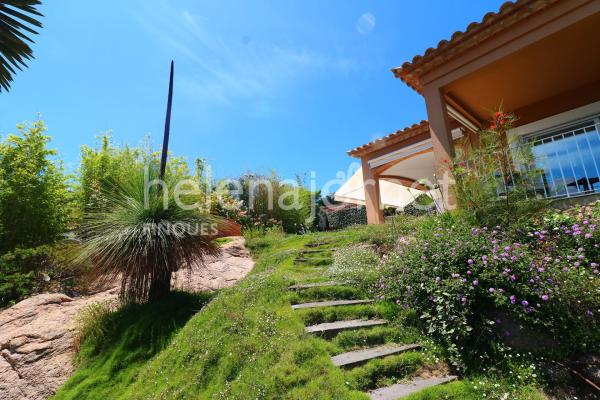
{"x":457,"y":277}
{"x":19,"y":272}
{"x":14,"y":284}
{"x":422,"y":205}
{"x":270,"y":201}
{"x":497,"y":182}
{"x":461,"y":279}
{"x":346,"y":215}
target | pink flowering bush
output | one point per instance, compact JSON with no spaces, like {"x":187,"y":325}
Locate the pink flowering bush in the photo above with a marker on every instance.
{"x":459,"y":279}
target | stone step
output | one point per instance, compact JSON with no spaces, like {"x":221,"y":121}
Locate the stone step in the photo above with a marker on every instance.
{"x":401,"y":390}
{"x":359,"y":356}
{"x":315,"y":251}
{"x":334,"y":327}
{"x":314,"y":285}
{"x":332,"y":303}
{"x":312,"y":259}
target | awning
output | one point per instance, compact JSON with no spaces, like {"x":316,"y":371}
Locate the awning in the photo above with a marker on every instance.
{"x":392,"y":194}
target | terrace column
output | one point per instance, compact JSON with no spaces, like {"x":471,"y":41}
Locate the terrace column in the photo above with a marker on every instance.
{"x":442,"y":142}
{"x":372,"y":196}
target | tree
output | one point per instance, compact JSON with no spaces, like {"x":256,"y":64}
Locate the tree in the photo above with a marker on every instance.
{"x":34,"y":196}
{"x":107,"y":163}
{"x":17,"y":20}
{"x":101,"y":165}
{"x":134,"y":235}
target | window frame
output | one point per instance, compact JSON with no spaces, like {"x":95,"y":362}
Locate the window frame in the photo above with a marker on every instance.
{"x":562,"y":129}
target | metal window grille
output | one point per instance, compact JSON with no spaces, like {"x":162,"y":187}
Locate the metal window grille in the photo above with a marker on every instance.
{"x":568,"y":159}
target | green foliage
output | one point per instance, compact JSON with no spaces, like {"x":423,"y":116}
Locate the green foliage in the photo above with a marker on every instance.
{"x":356,"y":264}
{"x":458,"y":278}
{"x":375,"y":373}
{"x":268,"y":201}
{"x":248,"y":343}
{"x":19,"y":272}
{"x":142,"y":235}
{"x":342,"y":217}
{"x":108,"y":163}
{"x":17,"y":23}
{"x":482,"y":388}
{"x":93,"y":322}
{"x":34,"y":210}
{"x":422,"y":205}
{"x":118,"y":343}
{"x":101,"y":166}
{"x":14,"y":283}
{"x":34,"y":200}
{"x":496,"y":181}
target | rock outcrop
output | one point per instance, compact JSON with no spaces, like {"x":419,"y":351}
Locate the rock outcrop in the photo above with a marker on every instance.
{"x":36,"y":344}
{"x":37,"y":334}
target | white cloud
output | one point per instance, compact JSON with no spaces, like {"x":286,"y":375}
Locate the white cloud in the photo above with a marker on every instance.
{"x":365,"y":23}
{"x":234,"y":69}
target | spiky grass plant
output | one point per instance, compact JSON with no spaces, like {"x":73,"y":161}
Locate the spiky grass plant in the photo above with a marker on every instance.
{"x":139,"y":234}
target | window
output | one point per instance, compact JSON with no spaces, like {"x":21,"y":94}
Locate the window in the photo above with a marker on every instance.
{"x":569,"y":160}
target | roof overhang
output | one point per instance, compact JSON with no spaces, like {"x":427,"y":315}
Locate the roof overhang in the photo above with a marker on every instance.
{"x":535,"y":58}
{"x":397,"y":138}
{"x":509,"y":15}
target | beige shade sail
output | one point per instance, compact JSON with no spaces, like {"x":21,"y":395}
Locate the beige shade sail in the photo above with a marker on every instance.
{"x":392,"y":194}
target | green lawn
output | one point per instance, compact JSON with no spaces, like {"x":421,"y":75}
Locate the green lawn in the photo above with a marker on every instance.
{"x":248,"y":343}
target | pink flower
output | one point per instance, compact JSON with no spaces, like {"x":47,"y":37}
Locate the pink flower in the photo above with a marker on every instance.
{"x":545,"y":297}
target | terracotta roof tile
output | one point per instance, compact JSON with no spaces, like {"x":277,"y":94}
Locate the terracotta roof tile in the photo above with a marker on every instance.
{"x":492,"y":23}
{"x":390,"y":139}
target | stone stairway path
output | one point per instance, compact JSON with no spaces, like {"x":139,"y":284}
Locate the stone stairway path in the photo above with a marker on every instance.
{"x":354,"y":358}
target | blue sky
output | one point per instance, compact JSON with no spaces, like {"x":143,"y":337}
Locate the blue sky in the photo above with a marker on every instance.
{"x":259,"y":85}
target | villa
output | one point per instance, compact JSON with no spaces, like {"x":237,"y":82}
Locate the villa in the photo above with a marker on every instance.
{"x":539,"y":59}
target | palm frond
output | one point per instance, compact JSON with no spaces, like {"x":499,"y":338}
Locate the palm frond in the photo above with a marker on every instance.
{"x":17,"y":24}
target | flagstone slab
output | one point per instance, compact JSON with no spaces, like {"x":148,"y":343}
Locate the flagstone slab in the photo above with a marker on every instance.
{"x":314,"y":285}
{"x":401,"y":390}
{"x":360,"y":356}
{"x":333,"y":327}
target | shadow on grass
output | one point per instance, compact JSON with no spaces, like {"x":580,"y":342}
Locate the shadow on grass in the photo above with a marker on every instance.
{"x":131,"y":336}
